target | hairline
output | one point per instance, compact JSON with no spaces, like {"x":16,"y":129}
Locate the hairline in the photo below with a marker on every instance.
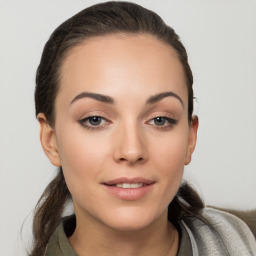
{"x":81,"y":41}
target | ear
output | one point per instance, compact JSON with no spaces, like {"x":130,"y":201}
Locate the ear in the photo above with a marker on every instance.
{"x":192,"y":139}
{"x":48,"y":140}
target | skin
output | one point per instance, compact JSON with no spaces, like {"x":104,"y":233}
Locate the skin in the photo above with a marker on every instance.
{"x":128,"y":142}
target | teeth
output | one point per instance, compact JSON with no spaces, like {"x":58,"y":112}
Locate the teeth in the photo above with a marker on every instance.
{"x":129,"y":185}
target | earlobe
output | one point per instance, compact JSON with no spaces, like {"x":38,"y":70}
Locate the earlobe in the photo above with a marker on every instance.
{"x":192,"y":139}
{"x":48,"y":140}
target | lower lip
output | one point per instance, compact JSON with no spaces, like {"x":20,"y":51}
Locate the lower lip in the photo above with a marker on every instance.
{"x":129,"y":194}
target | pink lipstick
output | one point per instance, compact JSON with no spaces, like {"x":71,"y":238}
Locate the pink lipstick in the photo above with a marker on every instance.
{"x":129,"y":188}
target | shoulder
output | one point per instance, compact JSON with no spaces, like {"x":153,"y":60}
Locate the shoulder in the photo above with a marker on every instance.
{"x":249,"y":217}
{"x":58,"y":244}
{"x":53,"y":247}
{"x":221,"y":234}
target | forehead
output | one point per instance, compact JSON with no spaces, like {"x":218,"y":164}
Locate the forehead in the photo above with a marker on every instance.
{"x":122,"y":64}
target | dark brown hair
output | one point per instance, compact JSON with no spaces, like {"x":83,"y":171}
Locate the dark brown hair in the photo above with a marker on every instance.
{"x":98,"y":20}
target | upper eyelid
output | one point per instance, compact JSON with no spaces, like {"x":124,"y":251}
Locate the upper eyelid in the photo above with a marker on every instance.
{"x":159,"y":114}
{"x":94,"y":113}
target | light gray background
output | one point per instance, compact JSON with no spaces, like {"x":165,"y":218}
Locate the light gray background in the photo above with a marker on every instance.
{"x":220,"y":37}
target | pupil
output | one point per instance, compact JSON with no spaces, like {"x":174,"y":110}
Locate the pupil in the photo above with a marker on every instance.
{"x":95,"y":120}
{"x":159,"y":121}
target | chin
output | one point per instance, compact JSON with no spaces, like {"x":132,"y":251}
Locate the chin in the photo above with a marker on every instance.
{"x":131,"y":219}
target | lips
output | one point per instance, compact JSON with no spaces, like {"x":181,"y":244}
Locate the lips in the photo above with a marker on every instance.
{"x":129,"y":188}
{"x":125,"y":180}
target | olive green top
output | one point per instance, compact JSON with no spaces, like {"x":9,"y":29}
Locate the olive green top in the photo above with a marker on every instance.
{"x":60,"y":246}
{"x":221,"y":234}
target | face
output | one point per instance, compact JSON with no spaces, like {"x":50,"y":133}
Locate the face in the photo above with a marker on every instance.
{"x":121,"y":133}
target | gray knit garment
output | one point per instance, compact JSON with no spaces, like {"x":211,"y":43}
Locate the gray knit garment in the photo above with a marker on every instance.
{"x":225,"y":235}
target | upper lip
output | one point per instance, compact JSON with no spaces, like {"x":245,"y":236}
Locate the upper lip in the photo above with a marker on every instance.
{"x":128,"y":180}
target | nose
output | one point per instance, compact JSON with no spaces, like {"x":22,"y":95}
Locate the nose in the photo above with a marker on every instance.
{"x":130,"y":145}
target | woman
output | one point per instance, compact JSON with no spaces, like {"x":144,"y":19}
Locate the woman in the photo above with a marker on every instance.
{"x":114,"y":100}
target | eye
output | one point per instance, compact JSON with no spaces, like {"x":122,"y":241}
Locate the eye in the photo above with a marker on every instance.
{"x":163,"y":121}
{"x":93,"y":122}
{"x":159,"y":121}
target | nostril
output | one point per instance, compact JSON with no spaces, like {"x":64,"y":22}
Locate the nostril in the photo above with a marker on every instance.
{"x":123,"y":159}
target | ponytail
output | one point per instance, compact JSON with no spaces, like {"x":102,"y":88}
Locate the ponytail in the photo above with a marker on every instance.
{"x":48,"y":212}
{"x":186,"y":203}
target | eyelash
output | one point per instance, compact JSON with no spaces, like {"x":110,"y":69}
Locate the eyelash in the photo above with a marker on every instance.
{"x":93,"y":127}
{"x":171,"y":122}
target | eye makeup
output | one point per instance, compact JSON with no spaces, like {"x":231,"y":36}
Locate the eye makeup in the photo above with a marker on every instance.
{"x":94,"y":122}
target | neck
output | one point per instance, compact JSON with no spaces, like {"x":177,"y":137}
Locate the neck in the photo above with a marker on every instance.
{"x":159,"y":238}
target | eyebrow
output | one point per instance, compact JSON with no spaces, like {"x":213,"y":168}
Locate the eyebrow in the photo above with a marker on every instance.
{"x":156,"y":98}
{"x":109,"y":100}
{"x":95,"y":96}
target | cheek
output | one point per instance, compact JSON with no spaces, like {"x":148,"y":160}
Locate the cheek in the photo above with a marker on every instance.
{"x":170,"y":153}
{"x":169,"y":158}
{"x":81,"y":157}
